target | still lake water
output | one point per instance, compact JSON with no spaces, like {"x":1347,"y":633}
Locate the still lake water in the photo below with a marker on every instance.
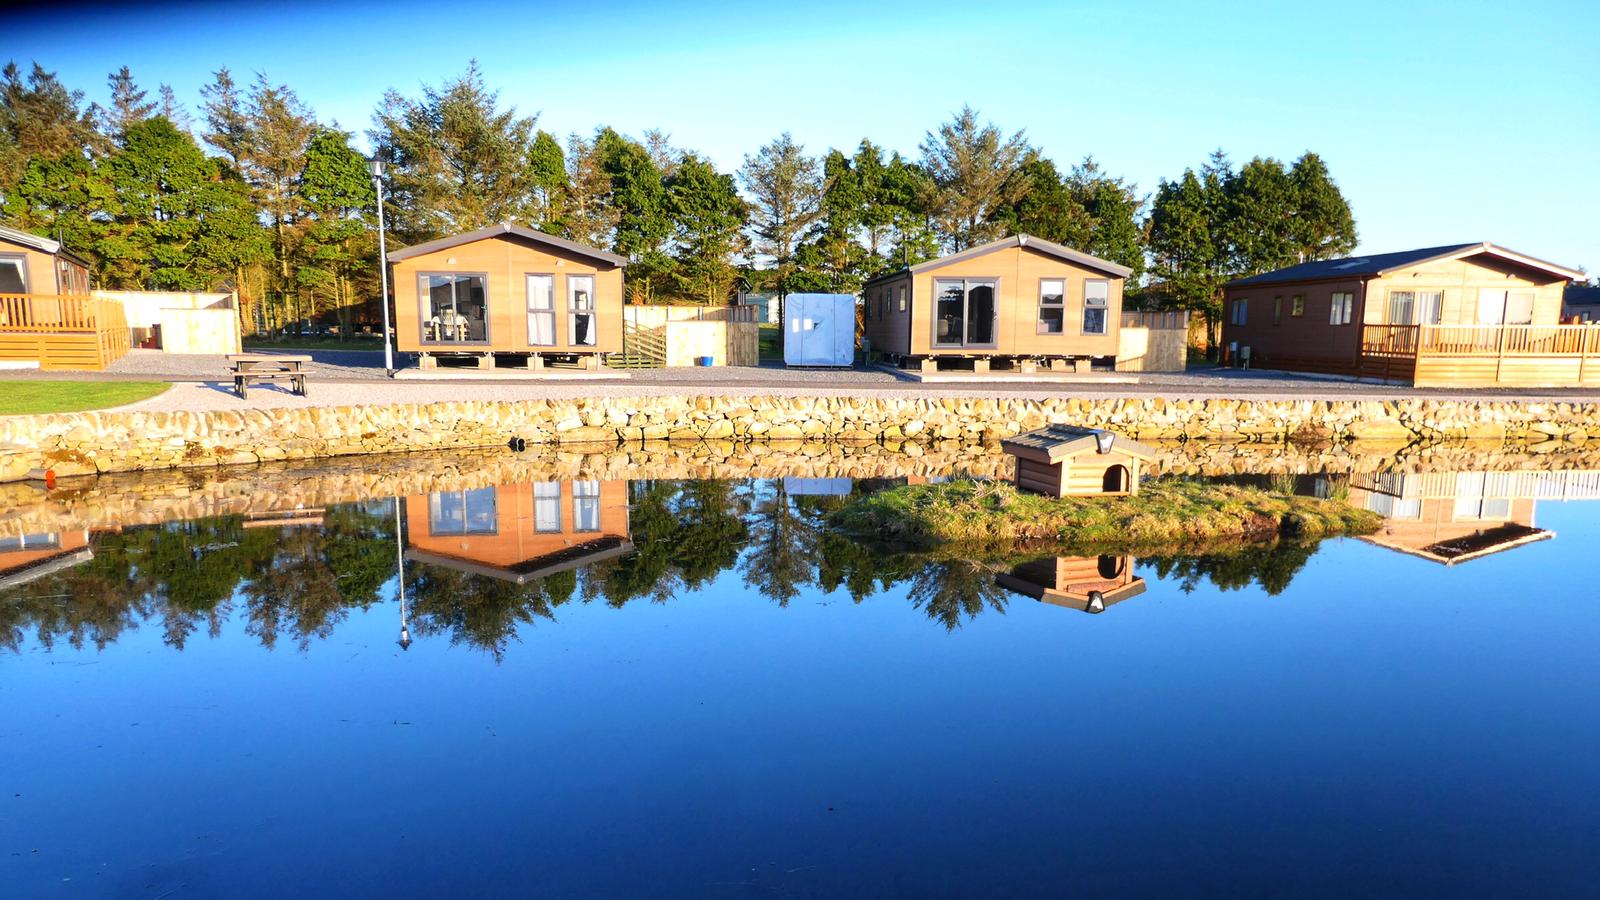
{"x":631,"y":687}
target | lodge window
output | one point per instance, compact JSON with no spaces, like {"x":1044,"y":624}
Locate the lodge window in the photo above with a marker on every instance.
{"x":1241,"y":306}
{"x":1342,"y":305}
{"x":547,"y":506}
{"x":40,"y":541}
{"x":901,"y":293}
{"x":1277,"y":310}
{"x":1297,"y":306}
{"x":541,"y":310}
{"x":13,"y":275}
{"x":1096,"y":302}
{"x":1052,"y":306}
{"x":586,"y":506}
{"x":462,"y":512}
{"x":1415,"y":307}
{"x":581,"y":324}
{"x":455,"y":308}
{"x":1497,"y":306}
{"x":964,"y":311}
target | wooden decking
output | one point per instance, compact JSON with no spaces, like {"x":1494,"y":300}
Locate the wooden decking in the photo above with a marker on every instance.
{"x":1482,"y":355}
{"x":62,"y":331}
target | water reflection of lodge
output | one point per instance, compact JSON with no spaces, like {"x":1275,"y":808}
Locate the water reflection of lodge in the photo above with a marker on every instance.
{"x":1452,"y":517}
{"x":519,"y":532}
{"x":32,"y":556}
{"x":1085,"y":583}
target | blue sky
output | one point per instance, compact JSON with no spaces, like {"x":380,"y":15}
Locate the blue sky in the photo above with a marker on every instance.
{"x":1442,"y":122}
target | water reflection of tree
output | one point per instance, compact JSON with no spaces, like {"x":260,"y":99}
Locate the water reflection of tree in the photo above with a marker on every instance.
{"x":781,"y":556}
{"x":952,"y":589}
{"x":684,"y":534}
{"x":479,"y":611}
{"x":1272,"y":566}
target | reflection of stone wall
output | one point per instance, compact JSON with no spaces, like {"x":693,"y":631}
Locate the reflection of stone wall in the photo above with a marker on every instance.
{"x":144,"y":498}
{"x":79,"y":443}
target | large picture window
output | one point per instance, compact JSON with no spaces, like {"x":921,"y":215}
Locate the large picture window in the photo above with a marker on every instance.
{"x":581,"y":321}
{"x":1096,"y":303}
{"x":964,"y":311}
{"x":462,"y":512}
{"x":455,"y":308}
{"x":541,"y":310}
{"x":1052,"y":306}
{"x":1497,"y":306}
{"x":1241,"y":309}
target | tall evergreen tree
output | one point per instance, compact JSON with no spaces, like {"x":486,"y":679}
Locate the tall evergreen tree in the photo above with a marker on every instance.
{"x":708,"y":218}
{"x":337,"y":258}
{"x":1324,"y":226}
{"x":1113,"y":207}
{"x":1046,"y":206}
{"x":638,"y":197}
{"x":587,"y":217}
{"x":40,"y":119}
{"x":173,"y":111}
{"x":458,"y":161}
{"x":973,"y":167}
{"x":785,"y":187}
{"x":227,"y":121}
{"x":180,"y":220}
{"x":548,"y":168}
{"x":128,"y":105}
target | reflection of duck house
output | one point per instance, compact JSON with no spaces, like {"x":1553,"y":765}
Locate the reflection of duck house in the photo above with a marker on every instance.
{"x":1067,"y":461}
{"x":33,"y":556}
{"x":519,"y":532}
{"x":1085,"y":583}
{"x":1456,"y":516}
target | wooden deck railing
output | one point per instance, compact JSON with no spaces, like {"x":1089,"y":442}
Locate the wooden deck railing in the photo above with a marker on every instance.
{"x":1480,"y":340}
{"x":63,"y":331}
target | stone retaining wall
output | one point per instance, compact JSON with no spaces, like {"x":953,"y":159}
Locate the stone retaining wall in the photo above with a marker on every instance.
{"x":82,"y":443}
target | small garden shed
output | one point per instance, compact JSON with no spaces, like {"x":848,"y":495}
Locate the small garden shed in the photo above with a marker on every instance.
{"x":1067,"y":461}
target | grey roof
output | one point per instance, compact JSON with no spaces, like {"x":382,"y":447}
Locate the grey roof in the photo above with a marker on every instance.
{"x":27,"y":239}
{"x":1582,"y":295}
{"x":505,"y":228}
{"x":1016,"y":240}
{"x":1065,"y":440}
{"x":1383,"y":263}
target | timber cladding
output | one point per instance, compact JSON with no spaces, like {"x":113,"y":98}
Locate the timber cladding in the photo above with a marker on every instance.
{"x":1018,"y":270}
{"x":505,"y":261}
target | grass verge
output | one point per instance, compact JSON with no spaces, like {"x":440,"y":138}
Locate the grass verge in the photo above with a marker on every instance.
{"x":994,"y":518}
{"x":24,"y":398}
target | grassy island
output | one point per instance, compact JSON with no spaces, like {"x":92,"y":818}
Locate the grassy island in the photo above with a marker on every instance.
{"x":1166,"y":514}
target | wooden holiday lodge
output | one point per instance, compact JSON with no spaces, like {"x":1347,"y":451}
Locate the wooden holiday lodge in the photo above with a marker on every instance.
{"x":507,"y":290}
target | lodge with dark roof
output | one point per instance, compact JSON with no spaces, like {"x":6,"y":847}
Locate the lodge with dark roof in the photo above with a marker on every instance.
{"x":1459,"y":315}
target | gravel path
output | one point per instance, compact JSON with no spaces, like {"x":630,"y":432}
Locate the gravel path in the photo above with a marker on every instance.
{"x":340,"y":378}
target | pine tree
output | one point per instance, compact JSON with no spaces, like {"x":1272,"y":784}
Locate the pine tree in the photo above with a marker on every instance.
{"x":227,"y":121}
{"x":457,"y":161}
{"x":173,"y":111}
{"x":40,"y":119}
{"x":337,"y":257}
{"x":128,"y":105}
{"x":549,"y":172}
{"x":1324,"y":226}
{"x":708,"y":218}
{"x":180,"y":220}
{"x":586,"y":216}
{"x":785,"y":187}
{"x":638,"y":197}
{"x":279,"y":130}
{"x":1112,"y":206}
{"x":973,"y":166}
{"x":1046,"y":206}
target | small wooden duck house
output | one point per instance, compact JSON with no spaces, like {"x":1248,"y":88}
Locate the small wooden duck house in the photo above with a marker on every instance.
{"x":1067,"y":461}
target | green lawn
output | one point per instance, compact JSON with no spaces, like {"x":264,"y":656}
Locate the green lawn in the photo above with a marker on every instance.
{"x":771,"y":341}
{"x":322,"y":343}
{"x":21,"y":398}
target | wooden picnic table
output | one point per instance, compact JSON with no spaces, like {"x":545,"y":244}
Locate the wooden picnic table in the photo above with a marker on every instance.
{"x":248,"y":367}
